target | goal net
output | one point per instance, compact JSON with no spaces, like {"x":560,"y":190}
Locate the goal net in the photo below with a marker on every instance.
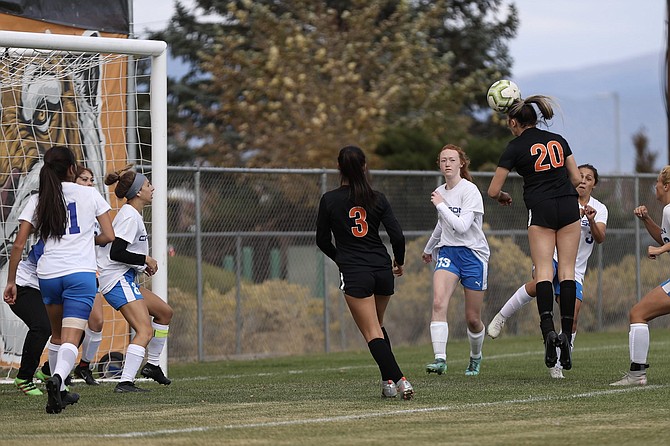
{"x":104,"y":98}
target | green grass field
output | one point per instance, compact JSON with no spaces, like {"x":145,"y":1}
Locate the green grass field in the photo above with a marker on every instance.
{"x":334,"y":400}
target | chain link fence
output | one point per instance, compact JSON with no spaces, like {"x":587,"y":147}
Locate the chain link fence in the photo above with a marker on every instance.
{"x":246,"y":278}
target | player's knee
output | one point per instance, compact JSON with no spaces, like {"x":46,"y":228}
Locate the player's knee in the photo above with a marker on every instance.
{"x":474,"y":323}
{"x":636,"y":315}
{"x":168,"y":313}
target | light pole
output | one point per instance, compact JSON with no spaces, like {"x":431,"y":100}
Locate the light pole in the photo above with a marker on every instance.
{"x":617,"y":127}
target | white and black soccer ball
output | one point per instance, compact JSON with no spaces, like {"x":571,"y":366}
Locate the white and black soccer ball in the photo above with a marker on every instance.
{"x":502,"y":94}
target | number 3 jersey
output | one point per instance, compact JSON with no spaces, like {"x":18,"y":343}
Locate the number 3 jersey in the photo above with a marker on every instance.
{"x":358,"y":246}
{"x":539,"y":157}
{"x":75,"y":251}
{"x":129,"y":226}
{"x":459,"y":220}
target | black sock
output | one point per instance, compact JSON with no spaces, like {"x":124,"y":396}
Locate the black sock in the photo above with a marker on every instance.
{"x":383,"y":355}
{"x":545,"y":305}
{"x":386,"y":337}
{"x":567,"y":305}
{"x":635,"y":367}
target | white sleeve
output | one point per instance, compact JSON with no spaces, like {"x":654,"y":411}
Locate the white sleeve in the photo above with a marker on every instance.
{"x":460,"y":224}
{"x":434,"y":239}
{"x":28,"y":212}
{"x":101,"y":205}
{"x":601,"y":214}
{"x":125,"y":228}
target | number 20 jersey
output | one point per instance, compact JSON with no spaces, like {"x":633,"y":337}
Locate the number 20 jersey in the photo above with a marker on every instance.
{"x":539,"y":157}
{"x":74,"y":252}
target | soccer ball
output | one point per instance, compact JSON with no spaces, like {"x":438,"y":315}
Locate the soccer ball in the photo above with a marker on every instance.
{"x":502,"y":94}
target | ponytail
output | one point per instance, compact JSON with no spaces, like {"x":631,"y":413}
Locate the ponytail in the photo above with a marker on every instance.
{"x":51,"y":212}
{"x":353,"y":169}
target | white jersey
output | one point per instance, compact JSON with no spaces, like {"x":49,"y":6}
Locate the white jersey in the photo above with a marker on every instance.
{"x":26,"y":272}
{"x":129,"y":226}
{"x":460,"y":219}
{"x":74,"y":252}
{"x":586,"y":241}
{"x":665,"y":225}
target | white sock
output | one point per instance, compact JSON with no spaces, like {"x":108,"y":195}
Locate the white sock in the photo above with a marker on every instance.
{"x":89,"y":347}
{"x":157,"y":343}
{"x":439,"y":335}
{"x":53,"y":356}
{"x":67,"y":355}
{"x":133,"y":361}
{"x":516,"y":302}
{"x":572,"y":345}
{"x":476,"y":342}
{"x":638,"y":342}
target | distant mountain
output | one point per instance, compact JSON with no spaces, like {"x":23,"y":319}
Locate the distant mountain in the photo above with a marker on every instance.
{"x":587,"y":115}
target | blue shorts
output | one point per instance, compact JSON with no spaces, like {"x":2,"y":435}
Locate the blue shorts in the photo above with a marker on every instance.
{"x":557,"y":285}
{"x":125,"y":291}
{"x":666,"y":287}
{"x":463,"y":262}
{"x":75,"y":292}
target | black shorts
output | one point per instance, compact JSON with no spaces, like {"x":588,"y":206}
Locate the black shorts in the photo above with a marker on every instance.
{"x":366,"y":283}
{"x":555,"y":213}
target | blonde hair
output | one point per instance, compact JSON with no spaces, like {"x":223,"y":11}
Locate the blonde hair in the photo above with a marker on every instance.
{"x":665,"y":175}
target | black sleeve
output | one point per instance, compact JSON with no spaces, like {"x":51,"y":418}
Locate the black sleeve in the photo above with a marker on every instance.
{"x":119,"y":253}
{"x":323,"y":232}
{"x":393,"y":229}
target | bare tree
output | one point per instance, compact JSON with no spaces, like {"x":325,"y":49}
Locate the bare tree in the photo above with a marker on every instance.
{"x":645,"y":160}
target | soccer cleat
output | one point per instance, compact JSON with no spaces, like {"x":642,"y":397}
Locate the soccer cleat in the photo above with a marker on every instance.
{"x":156,"y":373}
{"x":68,"y":398}
{"x":496,"y":326}
{"x":473,"y":368}
{"x":389,"y":389}
{"x":556,"y":372}
{"x":127,"y":387}
{"x":43,"y":373}
{"x":85,"y":373}
{"x":54,"y":398}
{"x":438,"y":366}
{"x":405,"y":389}
{"x":550,"y":356}
{"x":27,"y":387}
{"x":565,"y":358}
{"x":632,"y":378}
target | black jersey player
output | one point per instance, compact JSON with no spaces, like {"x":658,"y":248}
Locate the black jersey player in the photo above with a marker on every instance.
{"x":550,"y":175}
{"x":353,"y":214}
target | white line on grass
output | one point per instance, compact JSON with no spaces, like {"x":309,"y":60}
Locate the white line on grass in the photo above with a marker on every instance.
{"x":372,"y":365}
{"x":379,"y":414}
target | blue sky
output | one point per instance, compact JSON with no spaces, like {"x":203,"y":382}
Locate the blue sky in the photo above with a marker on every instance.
{"x":554,"y":35}
{"x":569,"y":34}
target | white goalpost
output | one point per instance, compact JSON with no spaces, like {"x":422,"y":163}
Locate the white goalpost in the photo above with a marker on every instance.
{"x":77,"y":91}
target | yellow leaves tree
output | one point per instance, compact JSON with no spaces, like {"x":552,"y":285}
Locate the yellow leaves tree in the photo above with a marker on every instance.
{"x":293,"y":88}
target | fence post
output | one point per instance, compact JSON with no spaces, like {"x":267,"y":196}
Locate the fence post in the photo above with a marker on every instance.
{"x":600,"y":287}
{"x":238,"y":294}
{"x":198,"y":262}
{"x":324,"y":285}
{"x":638,"y":260}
